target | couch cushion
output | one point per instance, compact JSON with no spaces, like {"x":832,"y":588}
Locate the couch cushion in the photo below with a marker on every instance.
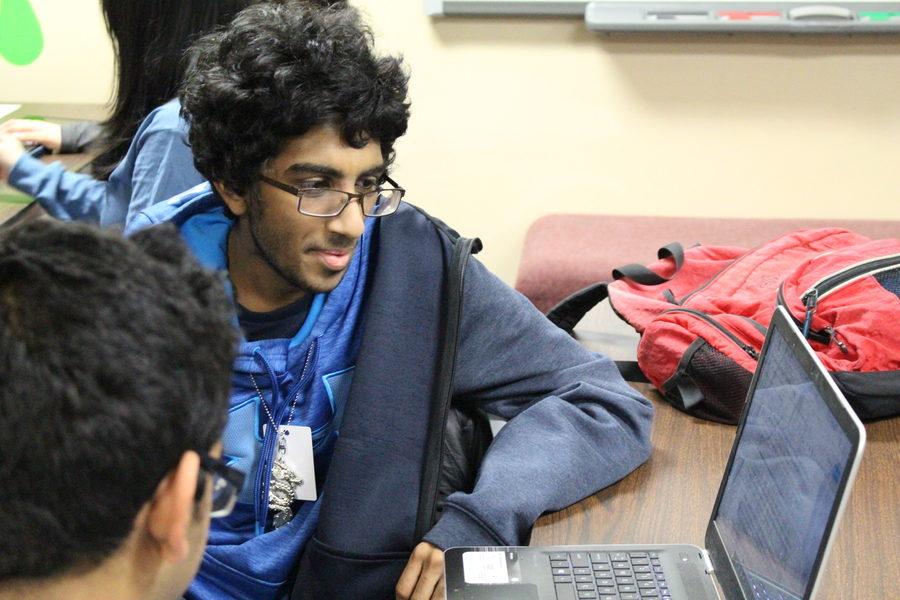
{"x":564,"y":253}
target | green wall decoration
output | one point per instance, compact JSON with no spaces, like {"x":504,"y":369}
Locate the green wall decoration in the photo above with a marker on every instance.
{"x":21,"y":40}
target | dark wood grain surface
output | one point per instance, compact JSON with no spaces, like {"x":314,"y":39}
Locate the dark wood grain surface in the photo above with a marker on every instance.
{"x":669,"y":498}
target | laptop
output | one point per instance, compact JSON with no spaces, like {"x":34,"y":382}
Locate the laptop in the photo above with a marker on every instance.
{"x":794,"y":459}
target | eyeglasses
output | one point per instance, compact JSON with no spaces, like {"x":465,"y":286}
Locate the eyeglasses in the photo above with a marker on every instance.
{"x":226,"y":484}
{"x":325,"y":202}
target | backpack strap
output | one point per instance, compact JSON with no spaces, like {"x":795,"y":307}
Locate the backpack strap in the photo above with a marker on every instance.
{"x":644,"y":276}
{"x":572,"y":309}
{"x":630,"y":371}
{"x":567,"y":313}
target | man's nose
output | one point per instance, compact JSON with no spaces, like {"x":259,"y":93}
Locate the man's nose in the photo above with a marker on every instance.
{"x":351,"y":222}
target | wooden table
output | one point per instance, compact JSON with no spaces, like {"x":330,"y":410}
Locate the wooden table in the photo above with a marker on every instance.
{"x":669,"y":498}
{"x":16,"y":207}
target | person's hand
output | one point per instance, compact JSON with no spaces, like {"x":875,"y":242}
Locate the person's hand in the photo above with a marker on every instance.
{"x":423,"y":577}
{"x":10,"y":151}
{"x":32,"y":131}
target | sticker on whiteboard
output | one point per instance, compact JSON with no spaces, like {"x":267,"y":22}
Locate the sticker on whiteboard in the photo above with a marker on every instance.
{"x":485,"y":567}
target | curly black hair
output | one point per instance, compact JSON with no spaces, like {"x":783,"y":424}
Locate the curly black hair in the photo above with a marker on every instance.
{"x":115,"y":359}
{"x":278,"y":71}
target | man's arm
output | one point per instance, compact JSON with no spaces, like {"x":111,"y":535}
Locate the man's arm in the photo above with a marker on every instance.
{"x":574,"y":426}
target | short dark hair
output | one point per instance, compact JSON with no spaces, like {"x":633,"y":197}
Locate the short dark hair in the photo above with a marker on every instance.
{"x":277,"y":71}
{"x":115,"y":359}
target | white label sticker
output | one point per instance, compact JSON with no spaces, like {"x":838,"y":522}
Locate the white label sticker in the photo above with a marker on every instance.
{"x":299,"y":456}
{"x":485,"y":567}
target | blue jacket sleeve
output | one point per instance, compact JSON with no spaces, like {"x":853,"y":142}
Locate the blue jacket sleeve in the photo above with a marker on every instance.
{"x":157,"y":166}
{"x":574,"y":426}
{"x":65,"y":195}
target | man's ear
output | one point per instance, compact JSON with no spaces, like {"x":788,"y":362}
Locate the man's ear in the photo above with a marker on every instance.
{"x":172,"y":508}
{"x":234,"y":201}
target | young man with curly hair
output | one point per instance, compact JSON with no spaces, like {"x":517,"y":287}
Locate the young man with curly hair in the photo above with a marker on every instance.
{"x":115,"y":382}
{"x":347,"y":301}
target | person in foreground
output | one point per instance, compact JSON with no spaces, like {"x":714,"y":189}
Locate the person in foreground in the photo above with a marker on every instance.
{"x":342,"y":293}
{"x":115,"y":382}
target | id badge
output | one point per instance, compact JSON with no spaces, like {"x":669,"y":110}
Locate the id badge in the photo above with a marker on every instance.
{"x":299,"y":458}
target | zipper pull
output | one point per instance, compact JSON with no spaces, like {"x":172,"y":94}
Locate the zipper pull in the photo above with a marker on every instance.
{"x":751,"y":351}
{"x":810,"y":300}
{"x":833,"y":335}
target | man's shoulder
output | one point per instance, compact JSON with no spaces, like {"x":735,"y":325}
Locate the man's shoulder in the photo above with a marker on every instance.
{"x":413,"y":221}
{"x":199,"y":199}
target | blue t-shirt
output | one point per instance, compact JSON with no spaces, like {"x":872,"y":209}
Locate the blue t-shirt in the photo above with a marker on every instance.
{"x":157,"y":166}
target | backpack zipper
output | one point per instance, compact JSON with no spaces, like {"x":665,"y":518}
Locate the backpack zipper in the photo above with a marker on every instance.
{"x":721,"y":272}
{"x":836,"y":281}
{"x":823,"y":337}
{"x":832,"y":283}
{"x":750,"y":350}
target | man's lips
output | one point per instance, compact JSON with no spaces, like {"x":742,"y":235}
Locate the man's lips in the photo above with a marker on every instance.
{"x":334,"y":259}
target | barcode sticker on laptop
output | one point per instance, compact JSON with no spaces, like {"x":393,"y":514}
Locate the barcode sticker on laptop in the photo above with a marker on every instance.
{"x":485,"y":567}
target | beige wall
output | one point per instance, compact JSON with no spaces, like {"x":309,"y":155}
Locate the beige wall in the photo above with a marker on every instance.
{"x":515,"y":118}
{"x":76,"y":64}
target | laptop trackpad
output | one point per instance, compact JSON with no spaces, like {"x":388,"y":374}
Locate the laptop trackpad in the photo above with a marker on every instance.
{"x":511,"y":591}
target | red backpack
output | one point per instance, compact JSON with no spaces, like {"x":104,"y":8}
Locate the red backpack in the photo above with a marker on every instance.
{"x":703,"y":313}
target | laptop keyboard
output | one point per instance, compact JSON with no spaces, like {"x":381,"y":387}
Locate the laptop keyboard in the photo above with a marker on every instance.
{"x":608,"y":576}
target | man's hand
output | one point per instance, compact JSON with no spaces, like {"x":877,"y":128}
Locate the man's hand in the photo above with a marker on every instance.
{"x":10,"y":151}
{"x":423,"y":577}
{"x":34,"y":132}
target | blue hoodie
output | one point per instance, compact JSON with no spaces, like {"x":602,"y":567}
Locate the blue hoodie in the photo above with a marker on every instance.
{"x":311,"y":372}
{"x":574,"y":425}
{"x":157,"y":166}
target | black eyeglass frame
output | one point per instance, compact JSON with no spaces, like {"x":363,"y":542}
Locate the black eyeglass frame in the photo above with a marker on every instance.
{"x":298,"y":192}
{"x":216,"y":467}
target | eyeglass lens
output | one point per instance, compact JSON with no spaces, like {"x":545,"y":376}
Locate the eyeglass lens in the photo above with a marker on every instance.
{"x":328,"y":203}
{"x":224,"y":495}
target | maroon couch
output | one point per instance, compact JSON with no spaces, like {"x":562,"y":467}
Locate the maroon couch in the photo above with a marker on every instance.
{"x":564,"y":253}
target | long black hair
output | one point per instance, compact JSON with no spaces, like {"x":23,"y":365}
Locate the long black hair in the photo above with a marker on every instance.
{"x":150,"y":38}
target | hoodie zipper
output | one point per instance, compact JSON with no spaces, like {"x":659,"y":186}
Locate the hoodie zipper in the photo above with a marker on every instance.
{"x":264,"y":469}
{"x":426,"y":513}
{"x":750,"y":350}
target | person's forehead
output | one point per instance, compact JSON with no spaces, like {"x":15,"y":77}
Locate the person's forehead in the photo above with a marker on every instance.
{"x":324,"y":146}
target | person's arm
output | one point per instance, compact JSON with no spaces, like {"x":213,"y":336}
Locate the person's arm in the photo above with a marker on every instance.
{"x":574,"y":426}
{"x":163,"y":168}
{"x":77,"y":136}
{"x":65,"y":195}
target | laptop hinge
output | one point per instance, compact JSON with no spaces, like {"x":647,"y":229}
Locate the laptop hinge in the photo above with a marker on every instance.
{"x":707,"y":562}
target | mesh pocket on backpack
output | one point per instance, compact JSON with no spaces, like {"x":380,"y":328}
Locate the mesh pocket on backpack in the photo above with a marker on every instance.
{"x":890,"y":280}
{"x":707,"y":373}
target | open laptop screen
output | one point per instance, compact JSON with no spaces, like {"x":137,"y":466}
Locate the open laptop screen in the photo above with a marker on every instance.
{"x":790,"y":465}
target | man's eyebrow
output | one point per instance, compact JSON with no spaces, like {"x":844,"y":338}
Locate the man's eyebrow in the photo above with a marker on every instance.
{"x":298,"y":168}
{"x":376,"y":170}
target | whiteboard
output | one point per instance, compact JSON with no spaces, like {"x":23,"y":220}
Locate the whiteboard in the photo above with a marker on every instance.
{"x":505,"y":7}
{"x":546,"y":7}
